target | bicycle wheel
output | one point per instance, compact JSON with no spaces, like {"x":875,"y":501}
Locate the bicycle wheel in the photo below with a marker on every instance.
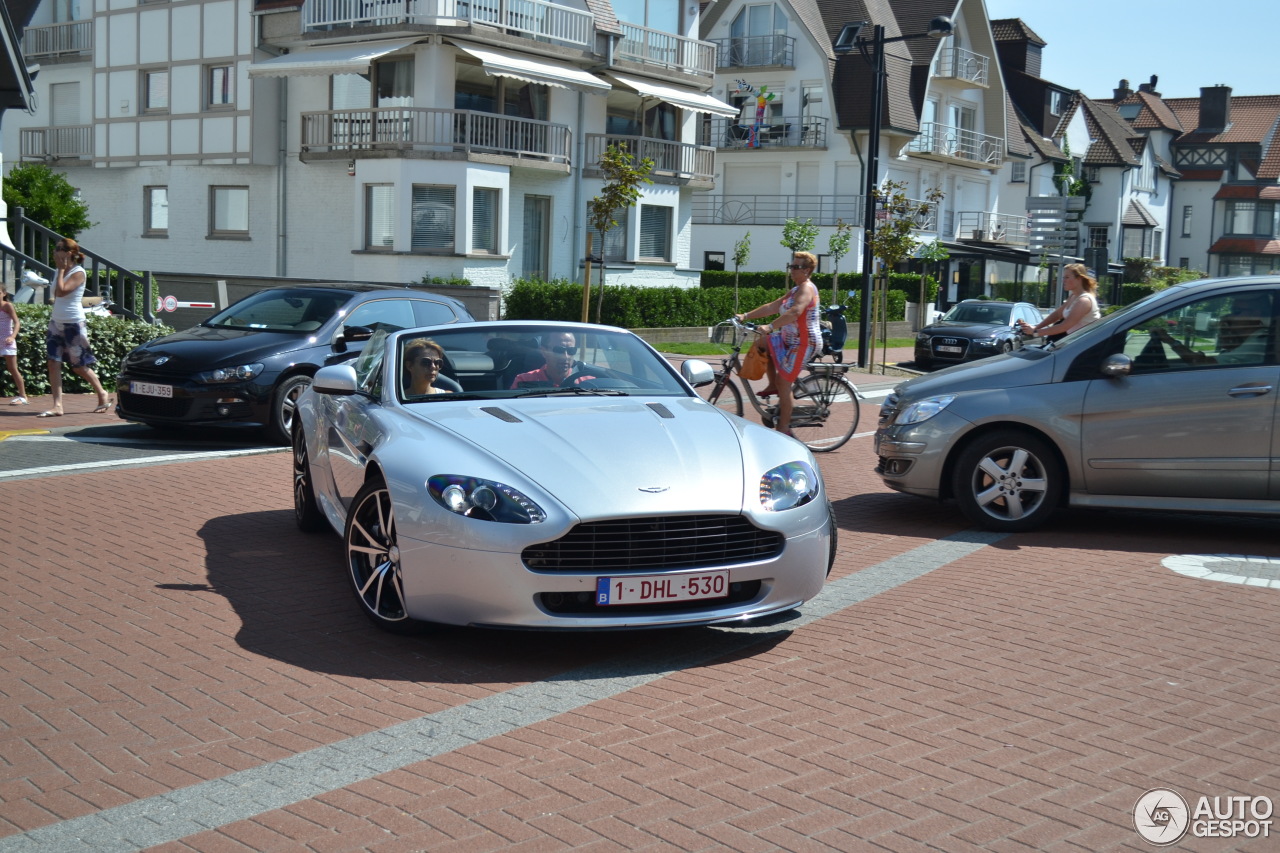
{"x":826,"y":411}
{"x":723,"y":394}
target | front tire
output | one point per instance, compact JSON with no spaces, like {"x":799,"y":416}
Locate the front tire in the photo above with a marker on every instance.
{"x":727,"y":396}
{"x":306,"y":512}
{"x":284,"y":406}
{"x":1009,"y":481}
{"x":373,"y":560}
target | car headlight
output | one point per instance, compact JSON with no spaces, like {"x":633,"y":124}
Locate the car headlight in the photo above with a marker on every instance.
{"x":239,"y":373}
{"x":921,"y":410}
{"x":922,"y":337}
{"x":985,"y":342}
{"x":483,"y":499}
{"x":787,"y":486}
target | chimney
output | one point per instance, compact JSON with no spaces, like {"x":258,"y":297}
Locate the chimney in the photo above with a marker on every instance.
{"x":1149,"y":88}
{"x":1123,"y":91}
{"x":1215,"y":107}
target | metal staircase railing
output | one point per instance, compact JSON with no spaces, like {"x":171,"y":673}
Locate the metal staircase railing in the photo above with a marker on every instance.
{"x":132,"y":293}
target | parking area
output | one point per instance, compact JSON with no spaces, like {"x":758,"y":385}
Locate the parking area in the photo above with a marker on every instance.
{"x":184,"y":670}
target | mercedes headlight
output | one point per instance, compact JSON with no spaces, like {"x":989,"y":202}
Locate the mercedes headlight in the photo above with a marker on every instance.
{"x":787,"y":486}
{"x":239,"y":373}
{"x":921,"y":410}
{"x":483,"y":499}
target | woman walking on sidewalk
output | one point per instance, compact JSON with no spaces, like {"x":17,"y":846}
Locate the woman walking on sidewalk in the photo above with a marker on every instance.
{"x":68,"y":336}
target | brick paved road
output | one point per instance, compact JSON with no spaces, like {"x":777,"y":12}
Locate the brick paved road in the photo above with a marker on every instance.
{"x":183,"y":670}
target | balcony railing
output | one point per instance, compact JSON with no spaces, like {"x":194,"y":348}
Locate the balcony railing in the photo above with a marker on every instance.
{"x":958,"y":144}
{"x":784,"y":132}
{"x":670,"y":159}
{"x":755,"y":51}
{"x":74,"y":38}
{"x":992,"y":228}
{"x":411,"y":129}
{"x":741,"y":209}
{"x":667,"y":50}
{"x":537,"y":19}
{"x":43,"y":143}
{"x":961,"y":64}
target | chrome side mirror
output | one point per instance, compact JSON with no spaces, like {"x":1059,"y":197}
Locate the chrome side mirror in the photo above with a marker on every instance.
{"x":1115,"y":366}
{"x":697,"y":372}
{"x":337,"y":379}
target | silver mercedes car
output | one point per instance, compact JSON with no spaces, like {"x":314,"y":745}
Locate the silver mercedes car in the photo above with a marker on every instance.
{"x":552,"y":476}
{"x":1167,"y":404}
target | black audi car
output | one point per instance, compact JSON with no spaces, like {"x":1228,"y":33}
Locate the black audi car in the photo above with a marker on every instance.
{"x":246,"y":365}
{"x":972,"y":329}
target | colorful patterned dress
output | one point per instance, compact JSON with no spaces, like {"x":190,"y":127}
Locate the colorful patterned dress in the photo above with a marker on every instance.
{"x":793,"y":345}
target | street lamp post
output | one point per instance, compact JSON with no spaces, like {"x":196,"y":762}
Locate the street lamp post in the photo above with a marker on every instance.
{"x":939,"y":27}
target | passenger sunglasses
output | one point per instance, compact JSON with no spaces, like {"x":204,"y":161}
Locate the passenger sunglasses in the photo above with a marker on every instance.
{"x":799,"y":267}
{"x":428,"y":361}
{"x":562,"y":350}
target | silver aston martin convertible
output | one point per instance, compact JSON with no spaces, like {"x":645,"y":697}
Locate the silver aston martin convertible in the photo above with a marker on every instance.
{"x":556,"y":476}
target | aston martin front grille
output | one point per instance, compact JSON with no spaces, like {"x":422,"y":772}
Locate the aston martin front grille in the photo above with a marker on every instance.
{"x":655,"y":544}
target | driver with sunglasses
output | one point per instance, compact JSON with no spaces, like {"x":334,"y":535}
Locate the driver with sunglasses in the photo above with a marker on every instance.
{"x":560,"y":351}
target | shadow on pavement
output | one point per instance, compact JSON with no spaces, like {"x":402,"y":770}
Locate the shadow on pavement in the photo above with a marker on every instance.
{"x":295,"y":605}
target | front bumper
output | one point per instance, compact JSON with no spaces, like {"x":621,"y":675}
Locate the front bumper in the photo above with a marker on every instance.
{"x":913,"y":458}
{"x":465,"y":586}
{"x":195,"y":404}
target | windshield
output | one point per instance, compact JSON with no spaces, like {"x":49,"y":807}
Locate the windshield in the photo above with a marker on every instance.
{"x":529,"y":360}
{"x":281,"y":310}
{"x":995,"y":315}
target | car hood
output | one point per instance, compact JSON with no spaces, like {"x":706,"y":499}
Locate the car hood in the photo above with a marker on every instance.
{"x":1021,"y":369}
{"x":965,"y":330}
{"x":621,"y":456}
{"x":204,"y":347}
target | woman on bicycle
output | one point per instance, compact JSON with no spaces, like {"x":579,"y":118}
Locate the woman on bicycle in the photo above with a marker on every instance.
{"x":793,"y":336}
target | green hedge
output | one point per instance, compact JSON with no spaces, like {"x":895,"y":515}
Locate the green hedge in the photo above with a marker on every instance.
{"x":850,"y":282}
{"x":112,"y":338}
{"x":658,"y":307}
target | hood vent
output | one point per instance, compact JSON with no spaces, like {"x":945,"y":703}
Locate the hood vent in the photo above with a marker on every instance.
{"x":661,"y":410}
{"x":501,"y":414}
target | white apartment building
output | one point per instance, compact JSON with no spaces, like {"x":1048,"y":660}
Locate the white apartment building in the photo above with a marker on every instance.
{"x":374,"y":141}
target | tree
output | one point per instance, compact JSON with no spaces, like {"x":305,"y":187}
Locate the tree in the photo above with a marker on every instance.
{"x":798,"y":237}
{"x":621,"y":189}
{"x":837,"y":248}
{"x":934,"y":254}
{"x":741,"y":254}
{"x":46,"y":197}
{"x":898,"y":218}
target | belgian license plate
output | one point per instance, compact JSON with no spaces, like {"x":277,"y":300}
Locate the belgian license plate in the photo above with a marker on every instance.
{"x":950,"y":349}
{"x":660,"y":589}
{"x":150,"y":389}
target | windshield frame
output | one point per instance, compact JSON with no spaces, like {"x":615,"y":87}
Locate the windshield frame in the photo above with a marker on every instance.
{"x":305,"y":295}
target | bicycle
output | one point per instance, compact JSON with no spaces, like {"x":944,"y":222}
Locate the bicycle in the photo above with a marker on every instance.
{"x":826,"y":408}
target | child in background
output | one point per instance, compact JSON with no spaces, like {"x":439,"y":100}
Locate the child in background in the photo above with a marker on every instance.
{"x":9,"y":326}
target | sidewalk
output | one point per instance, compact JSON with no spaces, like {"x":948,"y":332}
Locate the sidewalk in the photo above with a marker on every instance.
{"x":77,"y":412}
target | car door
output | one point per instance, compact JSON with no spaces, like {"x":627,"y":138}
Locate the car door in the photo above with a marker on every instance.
{"x":350,"y":429}
{"x":1192,"y":419}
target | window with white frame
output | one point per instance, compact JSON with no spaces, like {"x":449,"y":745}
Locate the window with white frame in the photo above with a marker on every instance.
{"x":228,"y":211}
{"x":1186,"y":220}
{"x":218,"y":89}
{"x":1057,"y":102}
{"x":379,"y":217}
{"x":155,"y":90}
{"x":1252,"y":218}
{"x":155,"y":211}
{"x":615,"y":239}
{"x":1017,"y":171}
{"x":758,"y":36}
{"x":434,"y":212}
{"x":485,"y":207}
{"x":1145,"y":178}
{"x":1098,"y":236}
{"x":655,"y":233}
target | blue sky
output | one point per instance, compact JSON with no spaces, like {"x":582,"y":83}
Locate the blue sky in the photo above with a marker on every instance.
{"x":1092,"y":44}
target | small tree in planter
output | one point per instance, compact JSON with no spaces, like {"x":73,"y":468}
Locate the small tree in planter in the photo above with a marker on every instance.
{"x":623,"y":176}
{"x":894,"y":239}
{"x":741,"y":254}
{"x":837,"y":248}
{"x":934,"y":254}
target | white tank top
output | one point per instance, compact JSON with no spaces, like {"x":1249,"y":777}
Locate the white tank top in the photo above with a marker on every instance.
{"x":69,"y":308}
